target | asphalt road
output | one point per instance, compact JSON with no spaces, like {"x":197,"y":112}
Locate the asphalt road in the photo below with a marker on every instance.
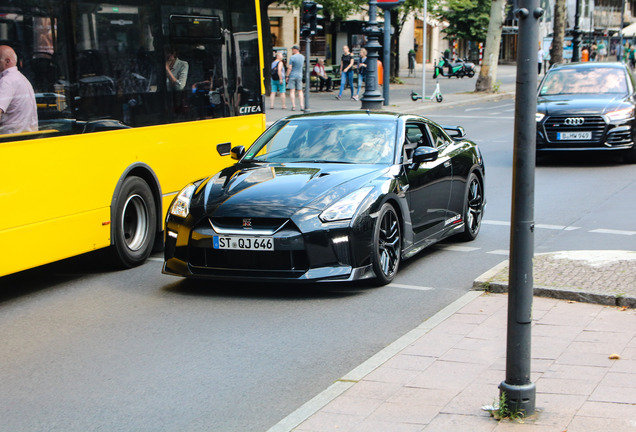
{"x":87,"y":348}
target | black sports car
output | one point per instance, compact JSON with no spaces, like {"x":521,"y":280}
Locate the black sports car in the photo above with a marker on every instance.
{"x":587,"y":106}
{"x":333,"y":196}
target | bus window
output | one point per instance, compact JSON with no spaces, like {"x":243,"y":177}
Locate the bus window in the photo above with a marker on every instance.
{"x":102,"y":66}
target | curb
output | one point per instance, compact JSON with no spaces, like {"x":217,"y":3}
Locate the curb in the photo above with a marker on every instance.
{"x":486,"y":283}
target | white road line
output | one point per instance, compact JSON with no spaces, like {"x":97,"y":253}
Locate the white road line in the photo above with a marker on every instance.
{"x":411,"y":287}
{"x":478,"y":117}
{"x":556,"y":227}
{"x":491,"y":108}
{"x":499,"y":252}
{"x":543,"y":226}
{"x":155,"y":259}
{"x":611,"y":231}
{"x":459,"y":248}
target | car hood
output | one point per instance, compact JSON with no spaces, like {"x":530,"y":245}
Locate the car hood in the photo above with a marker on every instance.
{"x":279,"y":190}
{"x":580,"y":104}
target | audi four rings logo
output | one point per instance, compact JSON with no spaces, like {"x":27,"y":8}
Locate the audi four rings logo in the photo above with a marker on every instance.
{"x":574,"y":121}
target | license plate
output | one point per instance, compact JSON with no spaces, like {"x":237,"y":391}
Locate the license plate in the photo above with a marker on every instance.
{"x":243,"y":243}
{"x":574,"y":135}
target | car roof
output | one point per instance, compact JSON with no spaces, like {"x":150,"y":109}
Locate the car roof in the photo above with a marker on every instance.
{"x":350,"y":115}
{"x":588,"y":65}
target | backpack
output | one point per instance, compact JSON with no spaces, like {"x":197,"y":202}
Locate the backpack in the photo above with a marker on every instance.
{"x":275,"y":76}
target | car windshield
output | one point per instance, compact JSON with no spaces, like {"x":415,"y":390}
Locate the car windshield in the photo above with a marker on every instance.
{"x":597,"y":80}
{"x":355,"y":141}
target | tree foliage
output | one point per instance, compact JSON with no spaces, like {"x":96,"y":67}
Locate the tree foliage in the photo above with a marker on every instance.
{"x":468,"y":19}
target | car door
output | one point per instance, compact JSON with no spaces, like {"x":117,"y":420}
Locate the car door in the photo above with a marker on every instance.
{"x":429,"y":182}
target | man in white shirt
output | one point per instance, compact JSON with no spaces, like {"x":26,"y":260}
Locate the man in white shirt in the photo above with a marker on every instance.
{"x":18,"y":110}
{"x":320,"y":72}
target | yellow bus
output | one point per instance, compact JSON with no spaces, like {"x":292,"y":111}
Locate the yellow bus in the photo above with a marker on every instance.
{"x":135,"y":98}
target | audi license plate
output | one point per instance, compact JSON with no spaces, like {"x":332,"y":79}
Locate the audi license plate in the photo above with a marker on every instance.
{"x":574,"y":135}
{"x":243,"y":243}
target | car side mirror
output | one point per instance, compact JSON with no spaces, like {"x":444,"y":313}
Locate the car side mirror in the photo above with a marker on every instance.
{"x":237,"y":152}
{"x":425,"y":154}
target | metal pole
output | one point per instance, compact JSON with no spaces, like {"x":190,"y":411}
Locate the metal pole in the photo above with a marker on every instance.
{"x":425,"y":28}
{"x":620,"y":32}
{"x":520,"y":392}
{"x":307,"y":72}
{"x":372,"y":98}
{"x":576,"y":41}
{"x":387,"y":55}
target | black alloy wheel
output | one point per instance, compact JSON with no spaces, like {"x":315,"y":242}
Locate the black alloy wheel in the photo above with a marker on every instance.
{"x":473,"y":208}
{"x":387,"y":245}
{"x":135,"y":222}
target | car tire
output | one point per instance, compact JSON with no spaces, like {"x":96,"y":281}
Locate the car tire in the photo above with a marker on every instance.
{"x":473,"y":208}
{"x":135,"y":223}
{"x":387,"y":245}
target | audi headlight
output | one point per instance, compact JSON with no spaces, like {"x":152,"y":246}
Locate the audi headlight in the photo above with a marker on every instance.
{"x":621,"y":114}
{"x":540,"y":116}
{"x":181,"y":206}
{"x":346,"y":207}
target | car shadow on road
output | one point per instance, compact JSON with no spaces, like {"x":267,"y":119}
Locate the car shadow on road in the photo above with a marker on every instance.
{"x":263,"y":290}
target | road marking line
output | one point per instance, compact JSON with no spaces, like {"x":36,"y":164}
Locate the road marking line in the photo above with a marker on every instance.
{"x":155,"y":259}
{"x":457,"y":248}
{"x":611,"y":231}
{"x":543,"y":226}
{"x":491,"y":108}
{"x":500,"y":252}
{"x":411,"y":287}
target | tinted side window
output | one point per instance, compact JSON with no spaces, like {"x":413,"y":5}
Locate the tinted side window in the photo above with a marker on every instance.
{"x":438,"y":136}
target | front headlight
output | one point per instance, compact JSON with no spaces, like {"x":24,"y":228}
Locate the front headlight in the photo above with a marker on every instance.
{"x":540,"y":116}
{"x":621,"y":114}
{"x":346,"y":207}
{"x":181,"y":206}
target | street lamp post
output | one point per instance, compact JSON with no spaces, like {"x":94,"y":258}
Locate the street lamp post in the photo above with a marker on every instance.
{"x":372,"y":98}
{"x":519,"y":390}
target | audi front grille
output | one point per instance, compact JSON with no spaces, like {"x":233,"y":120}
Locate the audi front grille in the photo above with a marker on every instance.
{"x":573,"y":123}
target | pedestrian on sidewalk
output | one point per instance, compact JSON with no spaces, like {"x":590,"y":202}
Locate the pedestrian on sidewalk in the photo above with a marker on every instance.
{"x":325,"y":80}
{"x":362,"y":71}
{"x":278,"y":80}
{"x":540,"y":58}
{"x":295,"y":77}
{"x":346,"y":71}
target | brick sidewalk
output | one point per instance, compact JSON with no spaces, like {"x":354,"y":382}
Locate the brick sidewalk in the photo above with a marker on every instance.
{"x":440,"y":375}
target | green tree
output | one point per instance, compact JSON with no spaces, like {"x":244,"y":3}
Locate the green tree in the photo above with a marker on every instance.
{"x":468,"y":19}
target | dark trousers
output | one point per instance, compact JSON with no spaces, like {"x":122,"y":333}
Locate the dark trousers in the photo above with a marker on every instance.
{"x":324,"y":81}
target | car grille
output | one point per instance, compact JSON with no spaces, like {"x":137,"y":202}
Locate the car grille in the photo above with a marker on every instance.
{"x":594,"y":124}
{"x":294,"y":260}
{"x":621,"y":137}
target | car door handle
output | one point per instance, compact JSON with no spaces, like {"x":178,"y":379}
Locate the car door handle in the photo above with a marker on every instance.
{"x":447,"y":164}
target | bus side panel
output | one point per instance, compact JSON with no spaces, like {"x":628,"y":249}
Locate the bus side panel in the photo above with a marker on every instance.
{"x":51,"y":180}
{"x":45,"y":242}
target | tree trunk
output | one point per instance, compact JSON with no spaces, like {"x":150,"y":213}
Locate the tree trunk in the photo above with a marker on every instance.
{"x":488,"y":71}
{"x":556,"y":51}
{"x":395,"y":46}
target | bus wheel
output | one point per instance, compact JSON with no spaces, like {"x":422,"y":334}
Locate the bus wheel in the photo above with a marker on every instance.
{"x":135,"y":222}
